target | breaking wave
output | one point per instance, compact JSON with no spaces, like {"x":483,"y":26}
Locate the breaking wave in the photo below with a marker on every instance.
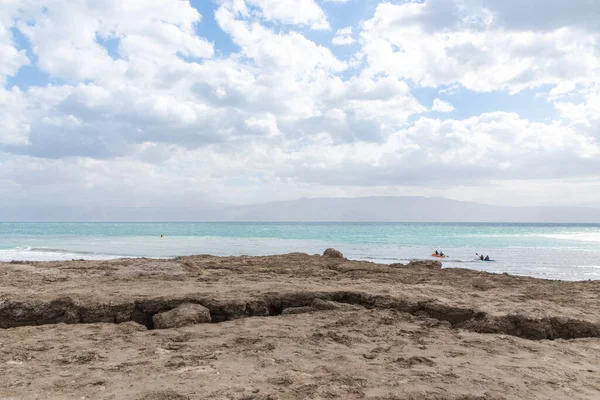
{"x":26,"y":253}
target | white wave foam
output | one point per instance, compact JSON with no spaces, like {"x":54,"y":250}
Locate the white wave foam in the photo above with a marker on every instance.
{"x":592,"y":237}
{"x":42,"y":254}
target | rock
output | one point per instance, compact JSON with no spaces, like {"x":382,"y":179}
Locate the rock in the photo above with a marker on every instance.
{"x":397,"y":265}
{"x":325,"y":305}
{"x":425,"y":264}
{"x":183,"y":315}
{"x":319,"y":304}
{"x":163,"y":395}
{"x":297,"y":310}
{"x":333,"y":253}
{"x":412,"y":361}
{"x":418,"y":264}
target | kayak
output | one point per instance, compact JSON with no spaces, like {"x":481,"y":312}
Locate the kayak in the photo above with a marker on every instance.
{"x":438,"y":256}
{"x":479,"y":259}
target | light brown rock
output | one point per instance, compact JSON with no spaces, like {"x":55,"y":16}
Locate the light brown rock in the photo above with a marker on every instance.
{"x":183,"y":315}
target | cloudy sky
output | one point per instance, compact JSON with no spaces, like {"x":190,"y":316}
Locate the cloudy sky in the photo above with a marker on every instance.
{"x":172,"y":102}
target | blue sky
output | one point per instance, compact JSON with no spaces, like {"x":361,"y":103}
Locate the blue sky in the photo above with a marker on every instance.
{"x":254,"y":100}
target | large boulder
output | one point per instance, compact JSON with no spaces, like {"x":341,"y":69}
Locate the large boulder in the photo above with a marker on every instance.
{"x":183,"y":315}
{"x":333,"y":253}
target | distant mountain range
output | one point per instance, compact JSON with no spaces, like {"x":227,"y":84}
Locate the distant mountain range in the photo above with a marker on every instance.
{"x":361,"y":209}
{"x":402,"y":209}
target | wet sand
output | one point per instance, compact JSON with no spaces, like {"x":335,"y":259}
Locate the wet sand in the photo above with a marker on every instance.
{"x":293,"y":327}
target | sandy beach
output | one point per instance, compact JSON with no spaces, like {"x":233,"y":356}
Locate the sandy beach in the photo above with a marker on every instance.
{"x":292,"y":327}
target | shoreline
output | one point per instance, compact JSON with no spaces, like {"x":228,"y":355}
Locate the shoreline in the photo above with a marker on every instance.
{"x":550,"y":252}
{"x":370,"y":260}
{"x":293,"y":326}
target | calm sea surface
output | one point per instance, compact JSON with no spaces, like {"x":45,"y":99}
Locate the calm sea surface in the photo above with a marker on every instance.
{"x":555,"y":251}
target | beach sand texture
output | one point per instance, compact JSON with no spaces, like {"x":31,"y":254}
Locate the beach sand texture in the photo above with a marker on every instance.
{"x":293,"y":327}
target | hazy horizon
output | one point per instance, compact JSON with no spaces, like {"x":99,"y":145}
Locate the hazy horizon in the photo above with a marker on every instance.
{"x":347,"y":209}
{"x":195,"y":103}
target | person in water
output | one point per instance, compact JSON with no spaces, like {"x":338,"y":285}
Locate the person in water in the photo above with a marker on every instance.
{"x":436,"y":253}
{"x":487,"y":258}
{"x":481,"y":257}
{"x":441,"y":253}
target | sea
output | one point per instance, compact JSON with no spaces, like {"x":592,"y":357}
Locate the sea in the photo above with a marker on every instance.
{"x":550,"y":251}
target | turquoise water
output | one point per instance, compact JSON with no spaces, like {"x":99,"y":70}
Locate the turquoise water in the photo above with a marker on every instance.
{"x":555,"y":251}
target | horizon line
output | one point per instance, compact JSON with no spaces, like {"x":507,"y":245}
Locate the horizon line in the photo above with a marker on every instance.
{"x":303,"y":222}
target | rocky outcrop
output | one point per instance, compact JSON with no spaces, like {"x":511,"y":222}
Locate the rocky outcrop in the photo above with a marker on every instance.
{"x":425,"y":264}
{"x":183,"y":315}
{"x":332,"y":253}
{"x":172,"y":312}
{"x":431,"y":264}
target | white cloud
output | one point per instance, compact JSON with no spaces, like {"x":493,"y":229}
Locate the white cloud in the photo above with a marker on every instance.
{"x":65,"y":37}
{"x":290,"y":52}
{"x":583,"y":116}
{"x":12,"y":59}
{"x":442,"y":106}
{"x":451,"y":152}
{"x":264,"y":126}
{"x":15,"y":127}
{"x":427,"y":43}
{"x":343,"y":36}
{"x":543,"y":15}
{"x":451,"y":90}
{"x":387,"y":100}
{"x":293,"y":12}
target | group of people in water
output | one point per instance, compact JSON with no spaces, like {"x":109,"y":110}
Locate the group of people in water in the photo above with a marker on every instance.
{"x":481,"y":257}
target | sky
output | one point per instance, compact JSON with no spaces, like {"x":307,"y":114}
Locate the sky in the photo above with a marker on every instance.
{"x":183,"y":103}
